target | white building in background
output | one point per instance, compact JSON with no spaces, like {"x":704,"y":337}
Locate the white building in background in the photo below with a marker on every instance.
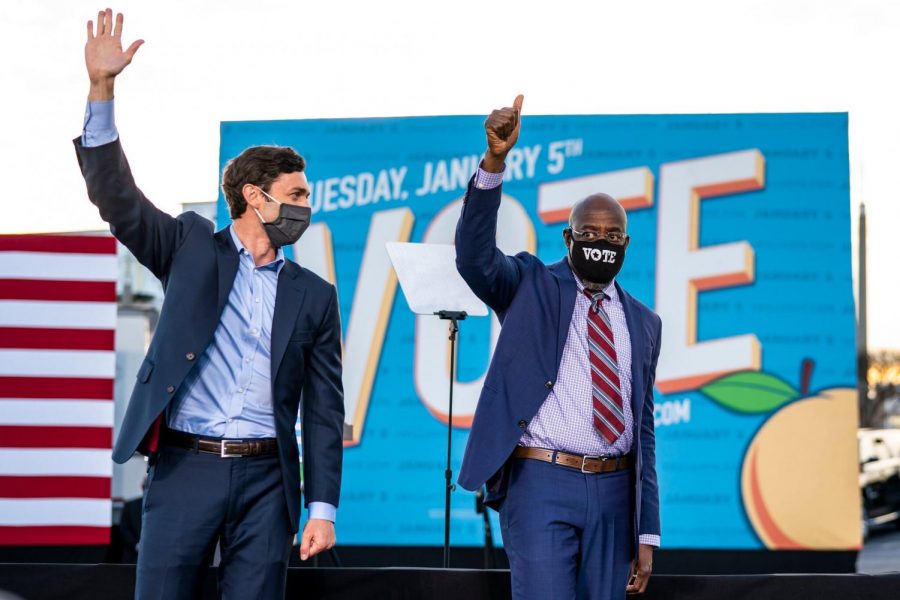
{"x":140,"y":297}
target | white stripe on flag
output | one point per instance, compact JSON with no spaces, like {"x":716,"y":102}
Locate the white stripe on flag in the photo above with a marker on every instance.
{"x":65,"y":315}
{"x":36,"y":462}
{"x":52,"y":511}
{"x":57,"y":363}
{"x":60,"y":266}
{"x":86,"y":413}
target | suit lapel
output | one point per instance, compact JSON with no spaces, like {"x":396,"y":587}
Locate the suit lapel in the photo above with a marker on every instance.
{"x":567,"y":291}
{"x":288,"y":301}
{"x":637,"y":350}
{"x":227,"y":256}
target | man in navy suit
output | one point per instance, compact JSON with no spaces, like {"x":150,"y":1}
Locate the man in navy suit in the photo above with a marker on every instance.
{"x":563,"y":433}
{"x":242,"y":333}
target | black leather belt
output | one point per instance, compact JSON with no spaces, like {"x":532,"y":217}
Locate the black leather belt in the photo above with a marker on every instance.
{"x":587,"y":464}
{"x":222,"y":447}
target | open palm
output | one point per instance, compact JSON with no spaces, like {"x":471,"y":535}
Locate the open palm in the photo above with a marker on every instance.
{"x":103,"y":52}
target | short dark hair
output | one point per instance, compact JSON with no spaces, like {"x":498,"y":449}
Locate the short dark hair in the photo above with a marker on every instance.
{"x":260,"y":166}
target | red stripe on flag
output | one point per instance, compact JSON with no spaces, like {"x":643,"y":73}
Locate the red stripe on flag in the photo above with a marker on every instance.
{"x":69,"y":388}
{"x":71,"y":244}
{"x":62,"y":291}
{"x":40,"y":436}
{"x":57,"y":339}
{"x":53,"y":535}
{"x":55,"y":487}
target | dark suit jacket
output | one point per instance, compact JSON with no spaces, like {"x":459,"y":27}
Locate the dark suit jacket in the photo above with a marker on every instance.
{"x":535,"y":302}
{"x":197,"y":269}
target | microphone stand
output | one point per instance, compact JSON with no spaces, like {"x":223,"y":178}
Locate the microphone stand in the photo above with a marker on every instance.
{"x":454,"y":317}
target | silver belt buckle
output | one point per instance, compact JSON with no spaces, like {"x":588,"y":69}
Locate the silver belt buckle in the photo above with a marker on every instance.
{"x":584,"y":459}
{"x":224,"y":454}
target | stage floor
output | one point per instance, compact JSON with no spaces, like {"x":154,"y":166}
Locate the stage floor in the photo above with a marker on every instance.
{"x":99,"y":582}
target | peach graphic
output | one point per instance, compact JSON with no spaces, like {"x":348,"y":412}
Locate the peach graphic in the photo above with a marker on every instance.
{"x":799,"y":479}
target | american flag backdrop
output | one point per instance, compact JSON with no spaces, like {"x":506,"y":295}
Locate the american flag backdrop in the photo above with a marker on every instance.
{"x":57,"y":372}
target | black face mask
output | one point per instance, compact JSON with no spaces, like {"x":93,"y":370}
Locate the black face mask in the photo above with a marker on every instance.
{"x":597,"y":262}
{"x":292,"y":221}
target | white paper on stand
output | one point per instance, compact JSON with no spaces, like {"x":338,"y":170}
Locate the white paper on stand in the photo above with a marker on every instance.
{"x":430,"y":281}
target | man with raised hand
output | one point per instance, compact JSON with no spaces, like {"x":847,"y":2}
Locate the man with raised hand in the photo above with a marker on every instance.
{"x":242,"y":333}
{"x":563,"y":433}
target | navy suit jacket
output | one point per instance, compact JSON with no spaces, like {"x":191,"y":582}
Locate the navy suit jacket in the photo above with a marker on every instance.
{"x":197,"y":268}
{"x":534,"y":303}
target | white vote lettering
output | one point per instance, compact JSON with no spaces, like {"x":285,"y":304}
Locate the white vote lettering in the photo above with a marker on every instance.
{"x":595,"y":254}
{"x":431,"y":367}
{"x":684,"y":269}
{"x":376,"y":286}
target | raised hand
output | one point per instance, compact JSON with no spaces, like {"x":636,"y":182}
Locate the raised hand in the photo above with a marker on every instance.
{"x":502,"y":129}
{"x":103,"y":54}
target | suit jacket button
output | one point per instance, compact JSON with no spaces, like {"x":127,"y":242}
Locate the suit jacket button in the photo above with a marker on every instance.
{"x":548,"y":385}
{"x":170,"y":389}
{"x":190,"y":356}
{"x":523,"y":423}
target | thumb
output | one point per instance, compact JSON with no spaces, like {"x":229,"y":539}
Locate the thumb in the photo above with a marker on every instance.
{"x":305,"y":544}
{"x":517,"y":103}
{"x":133,"y":48}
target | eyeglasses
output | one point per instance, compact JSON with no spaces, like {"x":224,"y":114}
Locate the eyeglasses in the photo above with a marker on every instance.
{"x":613,"y":237}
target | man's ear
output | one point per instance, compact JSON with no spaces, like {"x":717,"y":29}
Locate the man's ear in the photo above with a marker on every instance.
{"x":252,"y":196}
{"x":567,"y":236}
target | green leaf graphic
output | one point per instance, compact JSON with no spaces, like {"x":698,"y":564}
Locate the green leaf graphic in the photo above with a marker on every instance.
{"x":750,"y":392}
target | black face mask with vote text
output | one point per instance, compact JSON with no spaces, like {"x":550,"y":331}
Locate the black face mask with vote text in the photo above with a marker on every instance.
{"x":598,"y":261}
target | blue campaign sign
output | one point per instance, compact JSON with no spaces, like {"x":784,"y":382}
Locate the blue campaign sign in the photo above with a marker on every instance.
{"x":740,"y":234}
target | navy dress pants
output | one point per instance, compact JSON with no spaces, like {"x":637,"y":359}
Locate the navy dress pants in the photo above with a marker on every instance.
{"x":194,"y":500}
{"x":567,"y":534}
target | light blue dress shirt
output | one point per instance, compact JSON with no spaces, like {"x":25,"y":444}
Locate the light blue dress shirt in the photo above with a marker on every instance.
{"x":229,"y":391}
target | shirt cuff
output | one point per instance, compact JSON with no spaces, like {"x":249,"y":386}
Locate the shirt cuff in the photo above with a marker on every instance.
{"x":485,"y":180}
{"x":649,"y":539}
{"x":99,"y":124}
{"x":322,"y":510}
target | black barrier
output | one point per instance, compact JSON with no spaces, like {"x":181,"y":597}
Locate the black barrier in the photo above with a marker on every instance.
{"x":102,"y":582}
{"x":665,"y":561}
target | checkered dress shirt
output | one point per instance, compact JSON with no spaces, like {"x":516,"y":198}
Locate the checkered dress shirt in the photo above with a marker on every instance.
{"x":565,"y":421}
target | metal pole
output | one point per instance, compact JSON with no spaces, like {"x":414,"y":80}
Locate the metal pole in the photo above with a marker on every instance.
{"x":454,"y":317}
{"x":862,"y":343}
{"x":448,"y":474}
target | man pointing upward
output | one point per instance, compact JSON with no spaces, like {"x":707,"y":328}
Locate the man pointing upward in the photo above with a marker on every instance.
{"x":563,"y":433}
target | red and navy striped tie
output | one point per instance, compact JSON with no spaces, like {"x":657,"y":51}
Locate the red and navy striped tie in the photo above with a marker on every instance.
{"x":609,"y":414}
